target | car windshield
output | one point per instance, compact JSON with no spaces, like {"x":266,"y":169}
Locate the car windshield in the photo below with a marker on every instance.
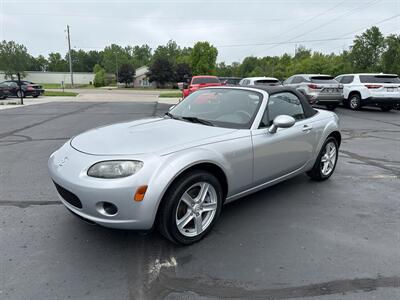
{"x":201,"y":80}
{"x":379,"y":79}
{"x":323,"y":79}
{"x":230,"y":108}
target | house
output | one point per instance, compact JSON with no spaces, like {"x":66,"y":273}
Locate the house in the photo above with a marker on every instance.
{"x":141,"y":79}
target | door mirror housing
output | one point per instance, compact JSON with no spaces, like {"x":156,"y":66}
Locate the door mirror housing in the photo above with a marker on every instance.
{"x":281,"y":121}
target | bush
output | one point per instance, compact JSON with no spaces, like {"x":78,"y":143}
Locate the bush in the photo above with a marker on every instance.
{"x":99,"y":76}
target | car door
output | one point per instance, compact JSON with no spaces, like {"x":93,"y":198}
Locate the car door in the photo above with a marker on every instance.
{"x":287,"y":150}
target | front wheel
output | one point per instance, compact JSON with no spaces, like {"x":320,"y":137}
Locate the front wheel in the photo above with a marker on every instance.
{"x":190,"y":207}
{"x":326,"y":161}
{"x":355,"y":102}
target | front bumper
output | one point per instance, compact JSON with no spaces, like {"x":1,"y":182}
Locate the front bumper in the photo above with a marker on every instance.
{"x":68,"y":169}
{"x":382,"y":101}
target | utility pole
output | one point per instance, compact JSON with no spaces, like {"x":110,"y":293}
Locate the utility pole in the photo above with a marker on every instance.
{"x":116,"y":68}
{"x":70,"y":58}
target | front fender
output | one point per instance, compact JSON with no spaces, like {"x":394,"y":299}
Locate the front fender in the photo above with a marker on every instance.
{"x":175,"y":164}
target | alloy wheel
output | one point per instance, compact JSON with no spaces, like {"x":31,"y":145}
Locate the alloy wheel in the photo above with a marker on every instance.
{"x":196,"y":209}
{"x":328,"y":159}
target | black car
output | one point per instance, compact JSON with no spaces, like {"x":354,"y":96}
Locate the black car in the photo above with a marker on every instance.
{"x":28,"y":88}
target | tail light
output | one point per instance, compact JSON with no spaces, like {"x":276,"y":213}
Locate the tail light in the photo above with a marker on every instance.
{"x":29,"y":88}
{"x":373,"y":86}
{"x":314,"y":86}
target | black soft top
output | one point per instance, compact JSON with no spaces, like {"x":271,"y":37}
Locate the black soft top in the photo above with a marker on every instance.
{"x":309,"y":111}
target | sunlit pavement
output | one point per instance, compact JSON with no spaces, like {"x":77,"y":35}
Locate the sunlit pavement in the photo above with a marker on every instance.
{"x":339,"y":239}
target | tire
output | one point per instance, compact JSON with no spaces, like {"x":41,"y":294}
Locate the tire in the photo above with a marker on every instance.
{"x":386,"y":108}
{"x":174,"y":209}
{"x":355,"y":102}
{"x":317,"y":172}
{"x":35,"y":96}
{"x":331,"y":106}
{"x":19,"y":94}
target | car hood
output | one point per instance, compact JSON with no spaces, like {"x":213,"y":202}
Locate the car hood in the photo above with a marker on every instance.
{"x":146,"y":136}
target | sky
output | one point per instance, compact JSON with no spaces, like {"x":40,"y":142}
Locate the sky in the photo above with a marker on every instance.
{"x":237,"y":28}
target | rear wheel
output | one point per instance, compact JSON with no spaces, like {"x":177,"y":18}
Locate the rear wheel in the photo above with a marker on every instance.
{"x":386,"y":108}
{"x":190,"y":207}
{"x":20,"y":94}
{"x":355,"y":102}
{"x":326,"y":161}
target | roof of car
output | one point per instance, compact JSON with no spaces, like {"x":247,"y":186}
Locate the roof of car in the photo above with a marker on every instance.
{"x":371,"y":74}
{"x":261,"y":78}
{"x":312,"y":75}
{"x":206,"y":76}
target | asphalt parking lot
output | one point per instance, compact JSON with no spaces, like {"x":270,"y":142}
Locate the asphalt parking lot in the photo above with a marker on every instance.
{"x":339,"y":239}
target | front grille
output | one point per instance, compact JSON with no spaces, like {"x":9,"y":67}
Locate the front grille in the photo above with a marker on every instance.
{"x":68,"y":196}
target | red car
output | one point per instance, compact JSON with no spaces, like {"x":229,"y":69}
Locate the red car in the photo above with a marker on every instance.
{"x":198,"y":82}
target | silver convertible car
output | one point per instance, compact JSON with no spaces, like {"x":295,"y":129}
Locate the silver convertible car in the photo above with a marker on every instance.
{"x":175,"y":172}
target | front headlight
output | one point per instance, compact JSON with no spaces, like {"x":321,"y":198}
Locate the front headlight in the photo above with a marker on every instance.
{"x":115,"y":168}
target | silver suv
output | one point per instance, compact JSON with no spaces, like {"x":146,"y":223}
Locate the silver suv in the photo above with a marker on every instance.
{"x":381,"y":90}
{"x":319,"y":89}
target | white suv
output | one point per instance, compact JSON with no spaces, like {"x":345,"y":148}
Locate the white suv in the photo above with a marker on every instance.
{"x":269,"y":81}
{"x":382,"y":90}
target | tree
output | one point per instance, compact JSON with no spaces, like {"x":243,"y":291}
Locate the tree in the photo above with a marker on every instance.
{"x":14,"y":58}
{"x":57,"y":63}
{"x":99,"y":76}
{"x":203,"y":58}
{"x":115,"y":56}
{"x":141,"y":56}
{"x":391,"y":55}
{"x":161,"y":71}
{"x":171,"y":51}
{"x":39,"y":63}
{"x":182,"y":72}
{"x":367,"y":50}
{"x":126,"y":74}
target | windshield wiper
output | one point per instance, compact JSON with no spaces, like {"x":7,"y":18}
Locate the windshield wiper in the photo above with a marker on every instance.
{"x":197,"y":120}
{"x":171,"y":115}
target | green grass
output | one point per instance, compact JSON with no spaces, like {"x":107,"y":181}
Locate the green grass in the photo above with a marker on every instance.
{"x":60,"y":94}
{"x":66,"y":86}
{"x":170,"y":95}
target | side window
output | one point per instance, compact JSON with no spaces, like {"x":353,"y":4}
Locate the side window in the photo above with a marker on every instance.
{"x":282,"y":104}
{"x":288,"y":81}
{"x":297,"y":79}
{"x":347,"y":79}
{"x":339,"y":78}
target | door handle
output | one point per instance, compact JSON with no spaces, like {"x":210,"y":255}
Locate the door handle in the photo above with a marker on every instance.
{"x":307,"y":128}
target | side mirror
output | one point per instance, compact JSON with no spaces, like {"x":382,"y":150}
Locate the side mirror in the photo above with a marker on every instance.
{"x":281,"y":121}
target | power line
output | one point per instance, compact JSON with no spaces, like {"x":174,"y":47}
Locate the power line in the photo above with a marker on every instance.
{"x":348,"y":12}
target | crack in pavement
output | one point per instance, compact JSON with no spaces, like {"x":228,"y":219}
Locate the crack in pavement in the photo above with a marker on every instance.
{"x":12,"y":132}
{"x":373,"y":161}
{"x":25,"y":204}
{"x":225,"y":289}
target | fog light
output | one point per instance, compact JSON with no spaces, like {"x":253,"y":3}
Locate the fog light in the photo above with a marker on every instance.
{"x":107,"y":208}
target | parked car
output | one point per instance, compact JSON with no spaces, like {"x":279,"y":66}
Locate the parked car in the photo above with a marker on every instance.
{"x":318,"y":88}
{"x":4,"y":92}
{"x":28,"y":88}
{"x":176,"y":171}
{"x":230,"y":80}
{"x":266,"y":81}
{"x":382,"y":90}
{"x":198,"y":82}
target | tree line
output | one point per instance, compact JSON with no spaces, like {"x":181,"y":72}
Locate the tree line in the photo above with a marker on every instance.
{"x":371,"y":51}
